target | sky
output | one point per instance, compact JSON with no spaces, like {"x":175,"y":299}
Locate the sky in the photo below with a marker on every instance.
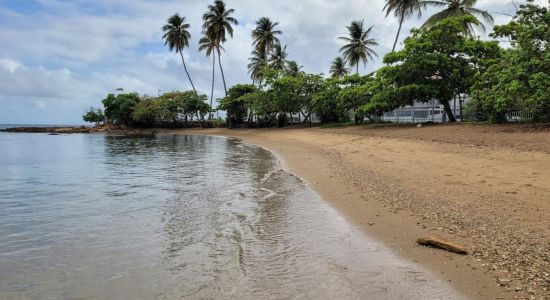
{"x":59,"y":57}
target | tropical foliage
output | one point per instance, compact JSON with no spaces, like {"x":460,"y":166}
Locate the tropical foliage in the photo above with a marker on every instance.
{"x":359,"y":45}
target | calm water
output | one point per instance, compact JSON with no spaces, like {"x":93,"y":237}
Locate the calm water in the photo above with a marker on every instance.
{"x":98,"y":216}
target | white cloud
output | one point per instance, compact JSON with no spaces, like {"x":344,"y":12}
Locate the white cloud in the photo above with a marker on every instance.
{"x":9,"y":65}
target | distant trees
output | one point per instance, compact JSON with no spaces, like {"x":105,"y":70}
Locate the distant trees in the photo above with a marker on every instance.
{"x":359,"y":45}
{"x":459,"y":8}
{"x":338,"y":68}
{"x":94,"y":115}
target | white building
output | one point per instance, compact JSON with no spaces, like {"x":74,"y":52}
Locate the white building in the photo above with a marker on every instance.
{"x":422,"y":112}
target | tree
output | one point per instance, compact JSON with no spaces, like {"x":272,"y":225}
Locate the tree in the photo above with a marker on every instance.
{"x":256,"y":67}
{"x":209,"y":46}
{"x":118,"y":109}
{"x":94,"y":115}
{"x":338,"y":68}
{"x":277,"y":59}
{"x":176,"y":36}
{"x":235,"y":105}
{"x":264,"y":36}
{"x":217,"y":25}
{"x":401,"y":10}
{"x":520,"y":80}
{"x":438,"y":62}
{"x":459,"y":8}
{"x":359,"y":45}
{"x":293,"y":69}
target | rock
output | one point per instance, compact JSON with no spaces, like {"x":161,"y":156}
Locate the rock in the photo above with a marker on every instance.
{"x":371,"y":223}
{"x":440,"y":243}
{"x":419,"y":126}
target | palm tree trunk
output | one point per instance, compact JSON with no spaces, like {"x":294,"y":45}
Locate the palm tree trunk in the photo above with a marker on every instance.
{"x":212,"y":90}
{"x":357,"y":68}
{"x":398,"y":30}
{"x":185,"y":67}
{"x":221,"y":69}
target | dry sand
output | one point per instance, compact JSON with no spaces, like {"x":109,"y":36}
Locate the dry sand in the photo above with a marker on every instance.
{"x":487,"y":187}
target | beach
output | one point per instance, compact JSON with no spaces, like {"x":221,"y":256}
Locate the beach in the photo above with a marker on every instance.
{"x":485,"y":187}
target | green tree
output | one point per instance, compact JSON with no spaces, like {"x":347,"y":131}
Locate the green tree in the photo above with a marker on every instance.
{"x":94,"y":115}
{"x":358,"y":47}
{"x":176,"y":36}
{"x":338,"y":68}
{"x":256,"y":67}
{"x":118,"y":109}
{"x":217,"y":24}
{"x":264,"y":36}
{"x":437,"y":62}
{"x":520,"y":79}
{"x":402,"y":9}
{"x":278,"y":58}
{"x":459,"y":8}
{"x":293,"y":69}
{"x":237,"y":106}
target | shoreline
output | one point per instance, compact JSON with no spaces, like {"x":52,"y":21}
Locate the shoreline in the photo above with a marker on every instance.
{"x":385,"y":206}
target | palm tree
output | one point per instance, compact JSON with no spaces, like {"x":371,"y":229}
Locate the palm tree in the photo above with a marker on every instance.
{"x":176,"y":36}
{"x":209,"y":46}
{"x":264,"y":36}
{"x":359,"y":45}
{"x":402,"y":9}
{"x":277,"y":59}
{"x":257,"y":65}
{"x":457,"y":8}
{"x":217,"y":24}
{"x":338,"y":68}
{"x":293,"y":69}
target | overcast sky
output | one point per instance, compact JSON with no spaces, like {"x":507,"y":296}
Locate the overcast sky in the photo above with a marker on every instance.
{"x":58,"y":57}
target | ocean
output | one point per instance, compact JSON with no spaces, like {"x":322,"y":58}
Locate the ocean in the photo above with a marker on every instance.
{"x":197,"y":217}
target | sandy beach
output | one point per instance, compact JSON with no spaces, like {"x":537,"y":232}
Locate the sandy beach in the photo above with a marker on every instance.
{"x":485,"y":187}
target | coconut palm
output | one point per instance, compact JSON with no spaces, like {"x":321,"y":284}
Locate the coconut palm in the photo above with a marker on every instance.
{"x":209,"y":46}
{"x":401,"y":10}
{"x":277,"y":59}
{"x":217,"y":25}
{"x":359,"y":45}
{"x":338,"y":68}
{"x":293,"y":69}
{"x":457,"y":8}
{"x":264,"y":36}
{"x":176,"y":36}
{"x":257,"y":65}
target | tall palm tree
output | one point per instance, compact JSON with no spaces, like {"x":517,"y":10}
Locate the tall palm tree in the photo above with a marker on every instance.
{"x":359,"y":45}
{"x":209,"y":46}
{"x":176,"y":36}
{"x":257,"y":65}
{"x":402,"y":9}
{"x":457,"y":8}
{"x":264,"y":36}
{"x":338,"y":68}
{"x":217,"y":24}
{"x":293,"y":69}
{"x":277,"y":59}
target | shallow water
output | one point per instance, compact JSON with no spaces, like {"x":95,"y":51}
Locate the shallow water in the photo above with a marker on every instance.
{"x":98,"y":216}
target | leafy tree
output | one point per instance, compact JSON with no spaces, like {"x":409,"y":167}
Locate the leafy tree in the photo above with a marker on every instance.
{"x":256,"y":67}
{"x":119,"y":108}
{"x":235,"y":104}
{"x":402,"y":9}
{"x":338,"y":68}
{"x":176,"y":36}
{"x":217,"y":25}
{"x":459,"y":8}
{"x":437,"y":62}
{"x":94,"y":115}
{"x":520,"y":80}
{"x":326,"y":105}
{"x":264,"y":36}
{"x":359,"y":45}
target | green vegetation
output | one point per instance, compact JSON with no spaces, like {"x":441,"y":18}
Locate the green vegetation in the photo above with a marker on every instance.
{"x":442,"y":60}
{"x":94,"y":115}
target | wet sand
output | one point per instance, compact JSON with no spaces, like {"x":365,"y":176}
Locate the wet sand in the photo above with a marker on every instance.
{"x":483,"y":186}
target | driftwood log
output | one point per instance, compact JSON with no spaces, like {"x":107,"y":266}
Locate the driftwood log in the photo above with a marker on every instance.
{"x":440,"y":243}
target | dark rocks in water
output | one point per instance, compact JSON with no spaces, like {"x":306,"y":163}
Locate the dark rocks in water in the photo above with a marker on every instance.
{"x":51,"y":130}
{"x":440,"y":243}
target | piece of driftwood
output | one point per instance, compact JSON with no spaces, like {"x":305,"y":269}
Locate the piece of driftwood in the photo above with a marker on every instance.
{"x":440,"y":243}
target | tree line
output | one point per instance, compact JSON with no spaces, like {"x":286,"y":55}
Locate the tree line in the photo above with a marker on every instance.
{"x":441,"y":60}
